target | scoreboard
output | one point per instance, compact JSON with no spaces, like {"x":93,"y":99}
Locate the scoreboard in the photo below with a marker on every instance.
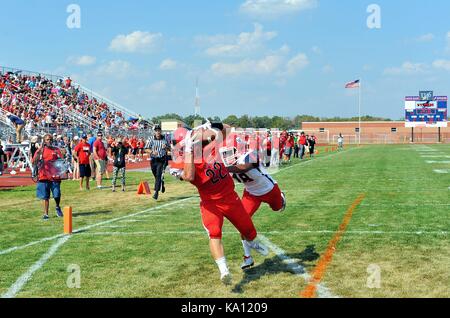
{"x":426,"y":110}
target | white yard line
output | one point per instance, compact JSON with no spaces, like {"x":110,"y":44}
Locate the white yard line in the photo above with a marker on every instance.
{"x":16,"y":248}
{"x":356,"y":232}
{"x":322,"y":291}
{"x":442,"y":171}
{"x":438,"y":162}
{"x":22,"y":280}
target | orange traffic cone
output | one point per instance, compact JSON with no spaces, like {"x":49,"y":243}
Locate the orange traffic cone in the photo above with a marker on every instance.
{"x":143,"y":188}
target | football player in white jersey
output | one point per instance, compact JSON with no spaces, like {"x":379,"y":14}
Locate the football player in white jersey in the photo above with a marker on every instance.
{"x":260,"y":187}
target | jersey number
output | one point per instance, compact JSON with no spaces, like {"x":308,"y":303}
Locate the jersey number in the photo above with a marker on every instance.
{"x":243,"y":178}
{"x":217,"y":174}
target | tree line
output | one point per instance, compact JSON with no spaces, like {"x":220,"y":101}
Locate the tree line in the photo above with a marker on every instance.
{"x":246,"y":121}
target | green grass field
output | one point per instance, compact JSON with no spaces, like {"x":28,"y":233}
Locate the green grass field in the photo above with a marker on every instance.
{"x":401,"y":228}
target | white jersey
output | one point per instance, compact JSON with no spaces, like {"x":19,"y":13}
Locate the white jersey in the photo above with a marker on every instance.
{"x":257,"y":181}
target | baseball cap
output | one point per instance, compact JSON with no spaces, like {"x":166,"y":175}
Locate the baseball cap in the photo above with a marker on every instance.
{"x":157,"y":127}
{"x":83,"y":136}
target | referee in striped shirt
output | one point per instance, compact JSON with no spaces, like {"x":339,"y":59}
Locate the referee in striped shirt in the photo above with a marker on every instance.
{"x":158,"y":147}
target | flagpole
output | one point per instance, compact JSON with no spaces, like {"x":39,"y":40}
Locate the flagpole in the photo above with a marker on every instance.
{"x":359,"y":111}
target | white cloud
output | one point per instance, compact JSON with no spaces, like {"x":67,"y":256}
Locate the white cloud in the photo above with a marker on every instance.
{"x":407,"y":68}
{"x":296,"y":64}
{"x":442,"y":64}
{"x":158,"y":87}
{"x":425,"y":37}
{"x":271,"y":9}
{"x":240,"y":45}
{"x":116,"y":69}
{"x":84,"y":60}
{"x":264,"y":66}
{"x":136,"y":41}
{"x":168,"y":64}
{"x":272,"y":64}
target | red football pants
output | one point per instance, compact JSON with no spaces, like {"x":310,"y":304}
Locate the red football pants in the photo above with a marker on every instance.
{"x":273,"y":199}
{"x":230,"y":207}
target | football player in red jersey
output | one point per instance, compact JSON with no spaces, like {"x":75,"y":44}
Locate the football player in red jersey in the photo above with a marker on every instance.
{"x":218,"y":197}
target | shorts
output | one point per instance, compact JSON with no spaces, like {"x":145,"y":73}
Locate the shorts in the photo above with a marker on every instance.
{"x":273,"y":199}
{"x":44,"y":188}
{"x":100,"y":166}
{"x":288,"y":151}
{"x":213,"y":213}
{"x":85,"y":171}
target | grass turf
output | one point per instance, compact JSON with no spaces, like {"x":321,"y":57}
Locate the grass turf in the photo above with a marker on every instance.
{"x":164,"y":252}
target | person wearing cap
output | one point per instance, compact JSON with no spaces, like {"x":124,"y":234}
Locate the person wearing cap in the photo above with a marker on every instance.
{"x":82,"y":154}
{"x":46,"y":182}
{"x":158,"y":146}
{"x":100,"y":156}
{"x":118,"y":151}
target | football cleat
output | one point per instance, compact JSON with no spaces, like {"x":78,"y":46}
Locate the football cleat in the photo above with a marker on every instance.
{"x":226,"y":278}
{"x":258,"y":247}
{"x":248,"y":262}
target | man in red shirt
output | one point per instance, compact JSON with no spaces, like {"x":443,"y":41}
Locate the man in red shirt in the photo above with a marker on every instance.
{"x":302,"y":144}
{"x":218,"y":198}
{"x":81,"y":154}
{"x":46,"y":181}
{"x":100,"y":156}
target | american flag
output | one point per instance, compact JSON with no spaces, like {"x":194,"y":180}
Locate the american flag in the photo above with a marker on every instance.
{"x":354,"y":84}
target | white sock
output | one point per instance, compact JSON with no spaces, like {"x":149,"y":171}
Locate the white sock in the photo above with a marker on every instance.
{"x":222,"y":264}
{"x":247,"y":249}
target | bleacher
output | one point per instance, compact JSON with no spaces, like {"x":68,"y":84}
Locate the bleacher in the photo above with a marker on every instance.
{"x":54,"y":104}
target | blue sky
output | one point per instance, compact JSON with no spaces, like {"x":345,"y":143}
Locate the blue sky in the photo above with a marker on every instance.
{"x":255,"y":57}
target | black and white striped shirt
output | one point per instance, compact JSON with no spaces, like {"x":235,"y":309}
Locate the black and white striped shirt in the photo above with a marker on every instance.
{"x":157,"y":146}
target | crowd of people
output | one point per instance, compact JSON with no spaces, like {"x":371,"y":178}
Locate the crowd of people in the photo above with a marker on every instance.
{"x":35,"y":102}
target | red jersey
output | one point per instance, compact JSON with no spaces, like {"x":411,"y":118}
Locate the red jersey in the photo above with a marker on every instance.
{"x":83,"y":151}
{"x":213,"y":180}
{"x":49,"y":154}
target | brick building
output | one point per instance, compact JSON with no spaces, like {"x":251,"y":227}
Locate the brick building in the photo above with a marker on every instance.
{"x":388,"y":132}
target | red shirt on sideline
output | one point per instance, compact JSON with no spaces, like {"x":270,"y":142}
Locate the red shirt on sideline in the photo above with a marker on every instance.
{"x":49,"y":154}
{"x":83,"y":152}
{"x":101,"y":151}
